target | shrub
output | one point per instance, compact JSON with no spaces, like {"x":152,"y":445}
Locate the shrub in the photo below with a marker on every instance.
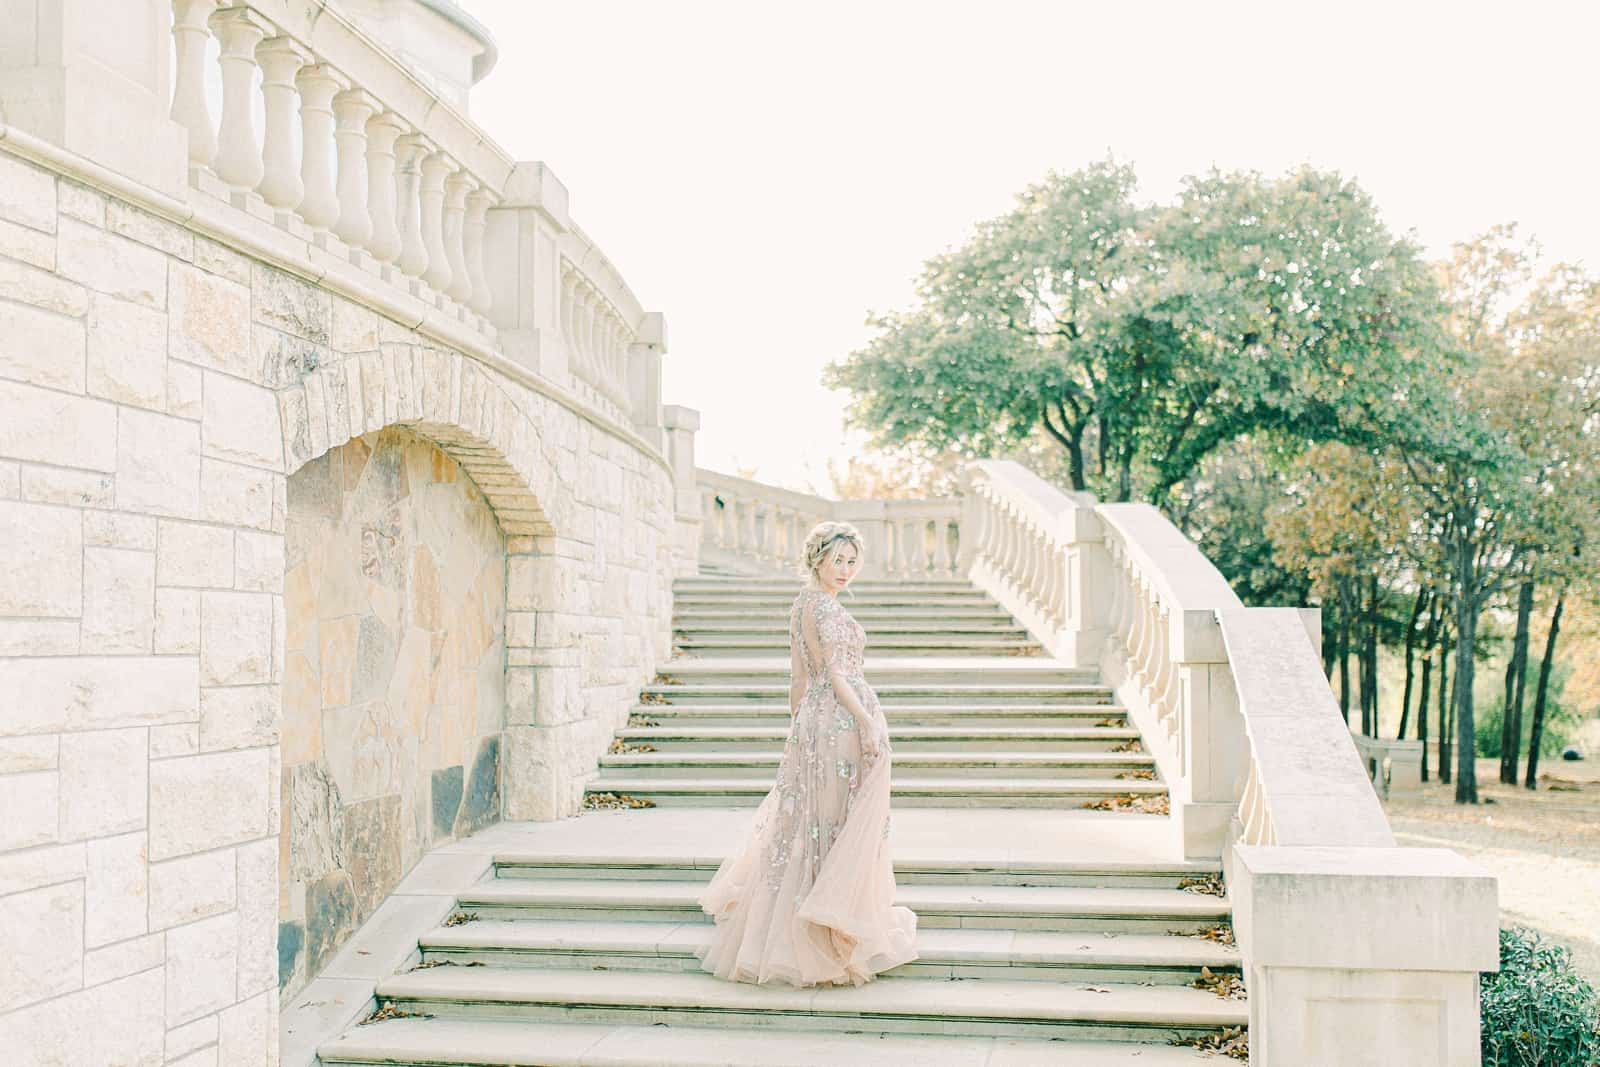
{"x":1537,"y":1011}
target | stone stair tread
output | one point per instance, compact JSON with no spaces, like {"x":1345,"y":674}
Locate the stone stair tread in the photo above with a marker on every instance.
{"x":967,"y":899}
{"x":905,"y":862}
{"x":981,"y":758}
{"x":933,"y":945}
{"x":1060,"y":1002}
{"x":908,"y":733}
{"x":487,"y":1043}
{"x":975,"y":784}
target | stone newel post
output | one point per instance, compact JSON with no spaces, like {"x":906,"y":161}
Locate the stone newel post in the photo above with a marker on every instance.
{"x":680,"y":424}
{"x":522,"y":259}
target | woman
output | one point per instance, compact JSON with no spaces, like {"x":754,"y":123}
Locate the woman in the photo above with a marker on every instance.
{"x":808,"y":898}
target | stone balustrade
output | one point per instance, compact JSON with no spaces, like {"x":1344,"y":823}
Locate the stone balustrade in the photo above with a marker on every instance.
{"x":764,"y":527}
{"x":392,"y":178}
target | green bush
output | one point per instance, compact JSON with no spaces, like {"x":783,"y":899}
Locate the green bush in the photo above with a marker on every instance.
{"x":1561,"y":721}
{"x":1537,"y":1011}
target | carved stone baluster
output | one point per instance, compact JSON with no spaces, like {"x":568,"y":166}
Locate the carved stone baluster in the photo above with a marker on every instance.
{"x":382,"y":132}
{"x":280,"y":59}
{"x":351,"y":110}
{"x":190,"y":31}
{"x":435,"y":169}
{"x":238,"y":159}
{"x":412,"y":148}
{"x":478,"y":205}
{"x":319,"y":207}
{"x":456,"y":188}
{"x":941,"y":546}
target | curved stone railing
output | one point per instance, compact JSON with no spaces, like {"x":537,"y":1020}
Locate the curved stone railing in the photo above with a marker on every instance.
{"x":1027,"y":548}
{"x":396,"y":190}
{"x":764,"y":527}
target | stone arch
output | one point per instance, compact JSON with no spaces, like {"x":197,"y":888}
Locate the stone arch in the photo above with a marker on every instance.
{"x":448,"y":401}
{"x":440,"y":395}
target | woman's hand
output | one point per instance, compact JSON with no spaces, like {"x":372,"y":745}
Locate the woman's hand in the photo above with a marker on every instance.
{"x":874,"y":739}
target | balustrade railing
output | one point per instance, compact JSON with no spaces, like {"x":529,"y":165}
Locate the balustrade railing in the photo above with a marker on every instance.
{"x":365,"y":162}
{"x":765,"y":527}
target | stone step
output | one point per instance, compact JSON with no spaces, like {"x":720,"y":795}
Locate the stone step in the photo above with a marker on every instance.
{"x":722,"y":692}
{"x":778,"y":615}
{"x":681,"y":763}
{"x":877,"y":644}
{"x":484,"y":1043}
{"x":990,"y":1007}
{"x":1166,"y":959}
{"x":1101,"y":910}
{"x":894,"y":625}
{"x":961,"y":671}
{"x":783,"y":601}
{"x":905,"y":739}
{"x":971,"y":868}
{"x":973,"y":791}
{"x":752,"y":713}
{"x":860,"y":585}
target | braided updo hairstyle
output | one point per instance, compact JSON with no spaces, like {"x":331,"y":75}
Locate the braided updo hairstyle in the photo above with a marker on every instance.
{"x":825,"y":539}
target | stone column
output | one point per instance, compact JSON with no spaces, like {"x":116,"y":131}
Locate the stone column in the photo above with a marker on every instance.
{"x":351,"y":109}
{"x":382,"y":132}
{"x":643,"y":363}
{"x":280,"y":59}
{"x":435,"y":169}
{"x":238,"y":161}
{"x":319,"y":207}
{"x":679,"y":425}
{"x":456,"y":188}
{"x":190,"y":32}
{"x":477,"y":220}
{"x":411,"y":148}
{"x":522,"y":262}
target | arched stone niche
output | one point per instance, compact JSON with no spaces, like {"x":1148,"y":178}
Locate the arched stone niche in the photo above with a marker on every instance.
{"x":394,"y":680}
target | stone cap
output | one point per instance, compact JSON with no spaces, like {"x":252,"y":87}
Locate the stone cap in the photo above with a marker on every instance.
{"x":1365,"y":908}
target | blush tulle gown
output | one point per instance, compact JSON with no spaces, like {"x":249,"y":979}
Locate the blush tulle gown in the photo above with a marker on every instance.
{"x":808,"y":897}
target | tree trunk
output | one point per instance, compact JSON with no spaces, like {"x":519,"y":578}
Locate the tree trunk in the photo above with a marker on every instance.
{"x":1369,"y":662}
{"x":1466,"y":645}
{"x":1344,"y":648}
{"x":1536,"y":734}
{"x":1411,"y":644}
{"x":1430,"y":639}
{"x":1516,"y":676}
{"x":1445,"y":701}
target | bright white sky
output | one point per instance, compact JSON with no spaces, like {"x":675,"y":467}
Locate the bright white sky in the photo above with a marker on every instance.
{"x":766,"y":173}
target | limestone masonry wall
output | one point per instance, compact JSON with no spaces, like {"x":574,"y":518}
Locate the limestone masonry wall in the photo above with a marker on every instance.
{"x":174,"y":419}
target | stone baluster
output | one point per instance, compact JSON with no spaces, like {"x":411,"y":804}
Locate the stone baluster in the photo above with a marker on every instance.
{"x":280,"y":59}
{"x":478,"y":205}
{"x":435,"y":169}
{"x":941,"y":546}
{"x":190,"y":31}
{"x":238,"y":160}
{"x":382,"y":131}
{"x":412,"y":149}
{"x":319,"y":207}
{"x":351,"y":110}
{"x":456,"y":188}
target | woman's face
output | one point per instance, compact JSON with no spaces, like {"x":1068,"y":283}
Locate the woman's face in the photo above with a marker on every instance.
{"x":838,"y":567}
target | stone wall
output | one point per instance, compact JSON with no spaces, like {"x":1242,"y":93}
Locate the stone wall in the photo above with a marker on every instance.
{"x":394,"y":681}
{"x":160,"y":384}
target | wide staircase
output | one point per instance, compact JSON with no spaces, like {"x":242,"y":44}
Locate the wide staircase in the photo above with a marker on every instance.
{"x":1029,"y":838}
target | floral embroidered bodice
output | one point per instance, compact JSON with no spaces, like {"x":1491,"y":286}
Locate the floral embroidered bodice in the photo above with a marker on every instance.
{"x":841,"y":640}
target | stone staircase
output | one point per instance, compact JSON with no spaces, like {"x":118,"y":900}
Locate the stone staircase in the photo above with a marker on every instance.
{"x":1049,"y":933}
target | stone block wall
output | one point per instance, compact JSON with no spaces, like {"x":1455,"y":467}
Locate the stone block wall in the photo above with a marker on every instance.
{"x":394,"y":681}
{"x":159,"y":388}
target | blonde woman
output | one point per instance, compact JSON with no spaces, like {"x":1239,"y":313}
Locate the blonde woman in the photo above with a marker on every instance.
{"x":808,"y":897}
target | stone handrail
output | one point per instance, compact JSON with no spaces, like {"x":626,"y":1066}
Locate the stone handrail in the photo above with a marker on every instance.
{"x":765,"y":526}
{"x":397,"y":184}
{"x":1026,"y":547}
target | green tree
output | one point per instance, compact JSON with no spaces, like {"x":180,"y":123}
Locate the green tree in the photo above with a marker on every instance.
{"x":1141,"y":339}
